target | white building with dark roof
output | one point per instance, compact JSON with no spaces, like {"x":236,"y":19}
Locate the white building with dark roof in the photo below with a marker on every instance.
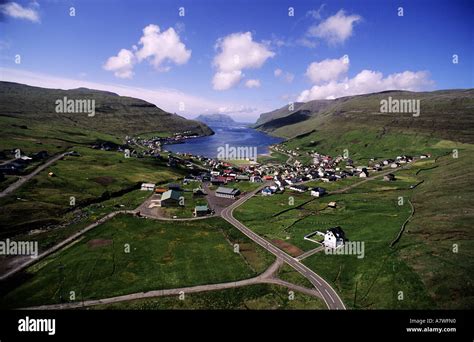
{"x":334,"y":237}
{"x":227,"y":192}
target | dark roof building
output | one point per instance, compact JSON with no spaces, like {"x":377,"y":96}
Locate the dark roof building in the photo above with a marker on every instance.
{"x":227,"y":192}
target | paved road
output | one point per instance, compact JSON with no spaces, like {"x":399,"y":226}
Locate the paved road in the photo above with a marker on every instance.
{"x":328,"y":294}
{"x":23,"y":179}
{"x":267,"y":277}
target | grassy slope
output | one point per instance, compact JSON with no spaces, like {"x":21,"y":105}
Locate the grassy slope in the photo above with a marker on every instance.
{"x":162,"y":255}
{"x":444,"y":212}
{"x":444,"y":114}
{"x":44,"y":199}
{"x":114,"y":114}
{"x":422,"y":265}
{"x":253,"y":297}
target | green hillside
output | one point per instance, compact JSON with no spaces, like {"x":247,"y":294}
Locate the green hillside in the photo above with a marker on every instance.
{"x":446,"y":114}
{"x":114,"y":114}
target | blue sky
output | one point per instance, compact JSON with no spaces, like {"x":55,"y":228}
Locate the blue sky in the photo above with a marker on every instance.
{"x":192,"y":69}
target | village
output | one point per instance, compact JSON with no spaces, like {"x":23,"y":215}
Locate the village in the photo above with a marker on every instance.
{"x":213,"y":184}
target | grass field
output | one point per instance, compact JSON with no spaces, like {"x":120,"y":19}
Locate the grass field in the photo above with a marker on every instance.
{"x":288,"y":274}
{"x":161,"y":255}
{"x":363,"y":143}
{"x":253,"y":297}
{"x":274,"y":157}
{"x":96,"y":173}
{"x":422,"y":265}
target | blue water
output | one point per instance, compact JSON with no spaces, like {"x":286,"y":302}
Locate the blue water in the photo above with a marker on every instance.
{"x":233,"y":136}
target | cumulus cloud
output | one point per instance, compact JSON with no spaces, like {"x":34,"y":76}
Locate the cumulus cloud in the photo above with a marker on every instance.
{"x":287,"y":76}
{"x":15,"y":10}
{"x":335,"y":29}
{"x":252,"y":83}
{"x":368,"y":81}
{"x":160,"y":49}
{"x":236,"y":52}
{"x":226,"y":80}
{"x":122,"y":64}
{"x":327,"y":70}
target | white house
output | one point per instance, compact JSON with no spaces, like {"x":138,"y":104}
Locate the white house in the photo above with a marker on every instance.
{"x":334,"y":237}
{"x":148,"y":187}
{"x":318,"y":192}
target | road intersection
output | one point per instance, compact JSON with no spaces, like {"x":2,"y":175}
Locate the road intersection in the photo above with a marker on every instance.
{"x":328,"y":294}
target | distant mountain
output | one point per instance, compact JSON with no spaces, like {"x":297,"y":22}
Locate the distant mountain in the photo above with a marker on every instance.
{"x":446,"y":114}
{"x":216,"y":119}
{"x":114,"y":114}
{"x":278,"y":113}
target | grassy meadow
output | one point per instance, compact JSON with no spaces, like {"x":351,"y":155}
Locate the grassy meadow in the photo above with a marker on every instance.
{"x":161,"y":255}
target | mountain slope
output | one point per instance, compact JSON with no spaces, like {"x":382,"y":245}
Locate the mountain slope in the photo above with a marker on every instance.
{"x":114,"y":114}
{"x":447,"y":114}
{"x":215,"y":119}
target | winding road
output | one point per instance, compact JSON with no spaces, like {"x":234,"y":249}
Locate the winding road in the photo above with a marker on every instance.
{"x":267,"y":277}
{"x":327,"y":293}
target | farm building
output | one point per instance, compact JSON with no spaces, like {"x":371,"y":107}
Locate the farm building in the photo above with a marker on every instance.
{"x":389,"y":177}
{"x":299,"y":188}
{"x":227,"y":192}
{"x":318,"y":192}
{"x":334,"y":237}
{"x":201,"y":210}
{"x":170,"y":198}
{"x":148,"y":187}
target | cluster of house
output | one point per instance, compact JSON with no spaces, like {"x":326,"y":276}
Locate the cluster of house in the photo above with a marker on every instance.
{"x":18,"y":165}
{"x":282,"y":149}
{"x":172,"y":196}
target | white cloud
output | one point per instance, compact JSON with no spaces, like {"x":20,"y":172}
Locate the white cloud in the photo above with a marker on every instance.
{"x":287,"y":76}
{"x":335,"y":29}
{"x":159,"y":48}
{"x":237,"y":51}
{"x":327,"y":70}
{"x":252,"y":84}
{"x":226,"y":80}
{"x":368,"y":81}
{"x":17,"y":11}
{"x":167,"y":99}
{"x":122,"y":64}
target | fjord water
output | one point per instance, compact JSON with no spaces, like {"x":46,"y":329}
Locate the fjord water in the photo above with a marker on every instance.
{"x":236,"y":136}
